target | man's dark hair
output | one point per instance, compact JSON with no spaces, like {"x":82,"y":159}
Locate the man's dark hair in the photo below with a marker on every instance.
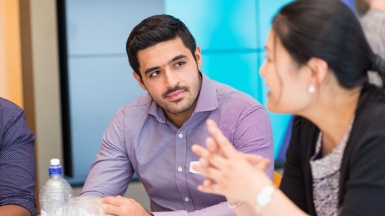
{"x":153,"y":30}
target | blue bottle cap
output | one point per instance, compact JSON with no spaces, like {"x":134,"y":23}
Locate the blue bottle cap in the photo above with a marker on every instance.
{"x":55,"y":168}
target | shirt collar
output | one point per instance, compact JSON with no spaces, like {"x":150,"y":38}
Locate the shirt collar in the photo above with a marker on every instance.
{"x":207,"y":100}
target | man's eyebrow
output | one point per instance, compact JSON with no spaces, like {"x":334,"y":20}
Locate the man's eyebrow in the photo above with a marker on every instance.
{"x":172,"y":60}
{"x":151,"y":69}
{"x":177,"y":58}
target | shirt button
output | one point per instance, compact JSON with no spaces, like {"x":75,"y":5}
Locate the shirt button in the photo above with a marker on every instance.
{"x":186,"y":199}
{"x":180,"y":135}
{"x":180,"y":169}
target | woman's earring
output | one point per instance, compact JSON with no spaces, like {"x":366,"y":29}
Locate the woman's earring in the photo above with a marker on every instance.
{"x":311,"y":89}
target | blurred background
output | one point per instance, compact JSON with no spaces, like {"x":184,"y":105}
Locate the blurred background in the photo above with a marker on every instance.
{"x":64,"y":62}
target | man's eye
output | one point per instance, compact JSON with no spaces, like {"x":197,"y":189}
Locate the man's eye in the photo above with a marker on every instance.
{"x":179,"y":64}
{"x":154,"y":74}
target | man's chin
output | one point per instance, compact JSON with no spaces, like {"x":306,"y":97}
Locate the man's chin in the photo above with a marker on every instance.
{"x":175,"y":110}
{"x":177,"y":101}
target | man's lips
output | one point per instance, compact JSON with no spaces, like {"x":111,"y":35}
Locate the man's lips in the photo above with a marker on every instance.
{"x":176,"y":95}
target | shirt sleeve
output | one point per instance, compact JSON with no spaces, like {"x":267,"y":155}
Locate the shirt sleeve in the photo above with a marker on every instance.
{"x":222,"y":209}
{"x":253,"y":135}
{"x":17,"y":160}
{"x":112,"y":170}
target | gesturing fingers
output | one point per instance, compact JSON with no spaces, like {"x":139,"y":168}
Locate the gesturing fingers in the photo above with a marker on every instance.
{"x":252,"y":159}
{"x":263,"y":164}
{"x":221,"y":141}
{"x":208,"y":158}
{"x":211,"y":188}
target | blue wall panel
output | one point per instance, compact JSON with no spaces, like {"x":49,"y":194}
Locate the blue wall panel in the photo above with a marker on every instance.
{"x":234,"y":69}
{"x":350,"y":3}
{"x":102,"y":27}
{"x":218,"y":24}
{"x":266,"y":12}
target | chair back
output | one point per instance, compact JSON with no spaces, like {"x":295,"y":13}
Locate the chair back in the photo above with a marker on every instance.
{"x":277,"y":179}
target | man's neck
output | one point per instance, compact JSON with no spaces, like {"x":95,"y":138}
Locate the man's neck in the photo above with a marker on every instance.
{"x":179,"y":119}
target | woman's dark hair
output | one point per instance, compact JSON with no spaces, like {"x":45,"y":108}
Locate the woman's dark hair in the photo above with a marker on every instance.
{"x":329,"y":30}
{"x":153,"y":30}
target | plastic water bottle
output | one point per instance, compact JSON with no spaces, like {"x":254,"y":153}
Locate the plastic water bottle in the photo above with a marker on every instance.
{"x":55,"y":192}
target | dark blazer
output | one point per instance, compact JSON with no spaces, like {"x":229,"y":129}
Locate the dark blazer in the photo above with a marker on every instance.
{"x":362,"y":176}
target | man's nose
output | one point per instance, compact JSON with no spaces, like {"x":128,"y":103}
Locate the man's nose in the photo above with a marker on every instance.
{"x":170,"y":79}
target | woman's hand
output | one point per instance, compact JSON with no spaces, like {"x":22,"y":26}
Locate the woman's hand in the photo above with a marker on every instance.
{"x":236,"y":175}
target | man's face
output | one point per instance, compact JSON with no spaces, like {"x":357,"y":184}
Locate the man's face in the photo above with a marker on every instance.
{"x":170,"y":74}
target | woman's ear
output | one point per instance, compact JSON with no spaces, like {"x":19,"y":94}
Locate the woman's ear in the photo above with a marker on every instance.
{"x":319,"y":69}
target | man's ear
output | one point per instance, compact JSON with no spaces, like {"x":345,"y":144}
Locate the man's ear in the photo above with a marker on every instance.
{"x":139,"y":80}
{"x":198,"y":56}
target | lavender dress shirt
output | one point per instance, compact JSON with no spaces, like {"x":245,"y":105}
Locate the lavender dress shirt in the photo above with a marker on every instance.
{"x":140,"y":139}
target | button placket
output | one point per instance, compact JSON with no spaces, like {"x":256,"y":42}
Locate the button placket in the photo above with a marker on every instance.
{"x":181,"y":174}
